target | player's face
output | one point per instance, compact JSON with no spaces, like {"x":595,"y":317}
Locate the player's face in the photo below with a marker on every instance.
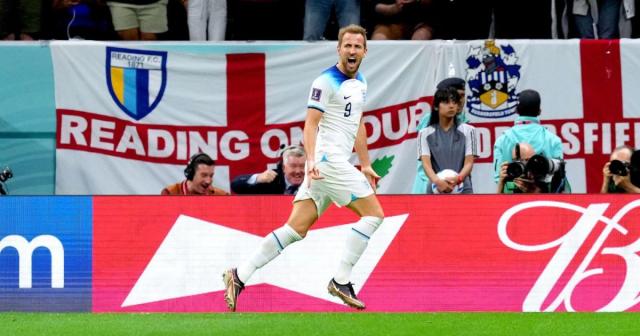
{"x":294,"y":170}
{"x":351,"y":52}
{"x":202,"y":179}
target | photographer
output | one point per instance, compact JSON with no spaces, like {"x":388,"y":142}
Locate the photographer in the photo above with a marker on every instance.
{"x":526,"y":128}
{"x":619,"y":174}
{"x":531,"y":173}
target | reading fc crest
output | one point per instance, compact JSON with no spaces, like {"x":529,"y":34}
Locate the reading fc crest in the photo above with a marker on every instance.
{"x":136,"y":79}
{"x":492,"y":76}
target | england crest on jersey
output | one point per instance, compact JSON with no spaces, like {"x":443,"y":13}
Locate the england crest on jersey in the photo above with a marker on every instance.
{"x":492,"y":76}
{"x":136,"y":79}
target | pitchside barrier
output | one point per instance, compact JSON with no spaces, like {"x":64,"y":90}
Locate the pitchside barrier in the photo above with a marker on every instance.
{"x":432,"y":253}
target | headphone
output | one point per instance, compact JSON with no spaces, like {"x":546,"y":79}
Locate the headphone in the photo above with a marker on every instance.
{"x":190,"y":170}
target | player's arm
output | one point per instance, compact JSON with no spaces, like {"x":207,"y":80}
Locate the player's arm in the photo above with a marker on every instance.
{"x":309,"y":135}
{"x":363,"y":155}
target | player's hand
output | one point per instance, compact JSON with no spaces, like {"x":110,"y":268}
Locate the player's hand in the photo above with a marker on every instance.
{"x":266,"y":176}
{"x":371,"y":176}
{"x":313,"y":173}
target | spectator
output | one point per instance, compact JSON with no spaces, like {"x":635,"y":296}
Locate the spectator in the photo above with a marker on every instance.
{"x":619,"y":178}
{"x":199,"y":176}
{"x":207,"y":19}
{"x":421,"y":182}
{"x":447,"y":144}
{"x":285,"y":179}
{"x":82,"y":19}
{"x":20,"y":20}
{"x":526,"y":129}
{"x":139,"y":19}
{"x":318,"y":12}
{"x":402,"y":20}
{"x":605,"y":19}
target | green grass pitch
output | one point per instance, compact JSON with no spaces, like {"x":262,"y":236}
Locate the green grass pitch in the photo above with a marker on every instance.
{"x":321,"y":324}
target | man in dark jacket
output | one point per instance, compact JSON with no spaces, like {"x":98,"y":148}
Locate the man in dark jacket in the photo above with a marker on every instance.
{"x":285,"y":179}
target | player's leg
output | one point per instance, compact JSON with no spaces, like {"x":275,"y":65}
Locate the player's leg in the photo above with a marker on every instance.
{"x":371,"y":216}
{"x":302,"y":217}
{"x":350,"y":188}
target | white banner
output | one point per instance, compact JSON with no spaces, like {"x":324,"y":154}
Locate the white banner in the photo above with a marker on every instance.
{"x":130,"y":116}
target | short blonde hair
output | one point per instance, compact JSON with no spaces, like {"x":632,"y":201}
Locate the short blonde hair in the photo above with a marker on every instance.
{"x":353,"y":29}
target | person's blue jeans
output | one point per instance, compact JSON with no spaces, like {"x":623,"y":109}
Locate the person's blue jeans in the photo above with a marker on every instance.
{"x":608,"y":17}
{"x":318,"y":12}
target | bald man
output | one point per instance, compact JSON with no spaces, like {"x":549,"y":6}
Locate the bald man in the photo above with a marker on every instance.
{"x":525,"y":183}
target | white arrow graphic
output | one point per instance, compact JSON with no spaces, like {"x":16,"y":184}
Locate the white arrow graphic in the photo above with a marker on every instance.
{"x":194,"y":254}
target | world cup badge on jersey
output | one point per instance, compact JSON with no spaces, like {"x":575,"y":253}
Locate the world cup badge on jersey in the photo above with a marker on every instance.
{"x":492,"y":75}
{"x":316,"y":94}
{"x":136,"y":79}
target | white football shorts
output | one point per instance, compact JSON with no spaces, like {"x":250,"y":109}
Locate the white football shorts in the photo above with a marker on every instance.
{"x":342,"y":184}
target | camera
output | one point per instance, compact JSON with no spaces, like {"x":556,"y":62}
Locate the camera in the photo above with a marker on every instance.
{"x":538,"y":166}
{"x":620,"y":168}
{"x":516,"y":169}
{"x":5,"y":174}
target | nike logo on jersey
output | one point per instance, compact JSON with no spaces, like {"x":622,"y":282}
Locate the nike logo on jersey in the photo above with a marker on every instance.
{"x":346,"y":97}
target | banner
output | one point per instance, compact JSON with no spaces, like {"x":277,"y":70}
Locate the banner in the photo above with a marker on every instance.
{"x":519,"y":253}
{"x":45,"y":254}
{"x":129,"y":117}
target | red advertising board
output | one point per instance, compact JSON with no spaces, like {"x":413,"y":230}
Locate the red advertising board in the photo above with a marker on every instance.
{"x":432,"y":253}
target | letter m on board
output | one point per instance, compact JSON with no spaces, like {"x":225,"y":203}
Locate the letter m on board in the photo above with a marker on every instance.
{"x":25,"y":257}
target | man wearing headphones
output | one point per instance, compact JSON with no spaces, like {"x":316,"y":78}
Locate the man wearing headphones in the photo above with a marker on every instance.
{"x":285,"y":179}
{"x":199,"y":176}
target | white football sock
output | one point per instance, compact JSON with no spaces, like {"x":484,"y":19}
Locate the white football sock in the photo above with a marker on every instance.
{"x":357,"y":241}
{"x":271,"y":245}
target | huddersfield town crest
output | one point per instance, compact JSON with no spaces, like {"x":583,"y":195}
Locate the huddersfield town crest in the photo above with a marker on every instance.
{"x":492,"y":76}
{"x":136,"y":79}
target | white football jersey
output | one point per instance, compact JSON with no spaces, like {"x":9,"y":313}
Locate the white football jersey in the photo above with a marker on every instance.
{"x":341,"y":100}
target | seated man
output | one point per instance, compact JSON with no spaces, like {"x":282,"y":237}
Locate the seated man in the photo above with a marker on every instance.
{"x":531,"y":173}
{"x":285,"y":179}
{"x":618,"y":177}
{"x":199,"y":176}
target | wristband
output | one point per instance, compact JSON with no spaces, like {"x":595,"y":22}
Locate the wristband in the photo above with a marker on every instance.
{"x":460,"y":179}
